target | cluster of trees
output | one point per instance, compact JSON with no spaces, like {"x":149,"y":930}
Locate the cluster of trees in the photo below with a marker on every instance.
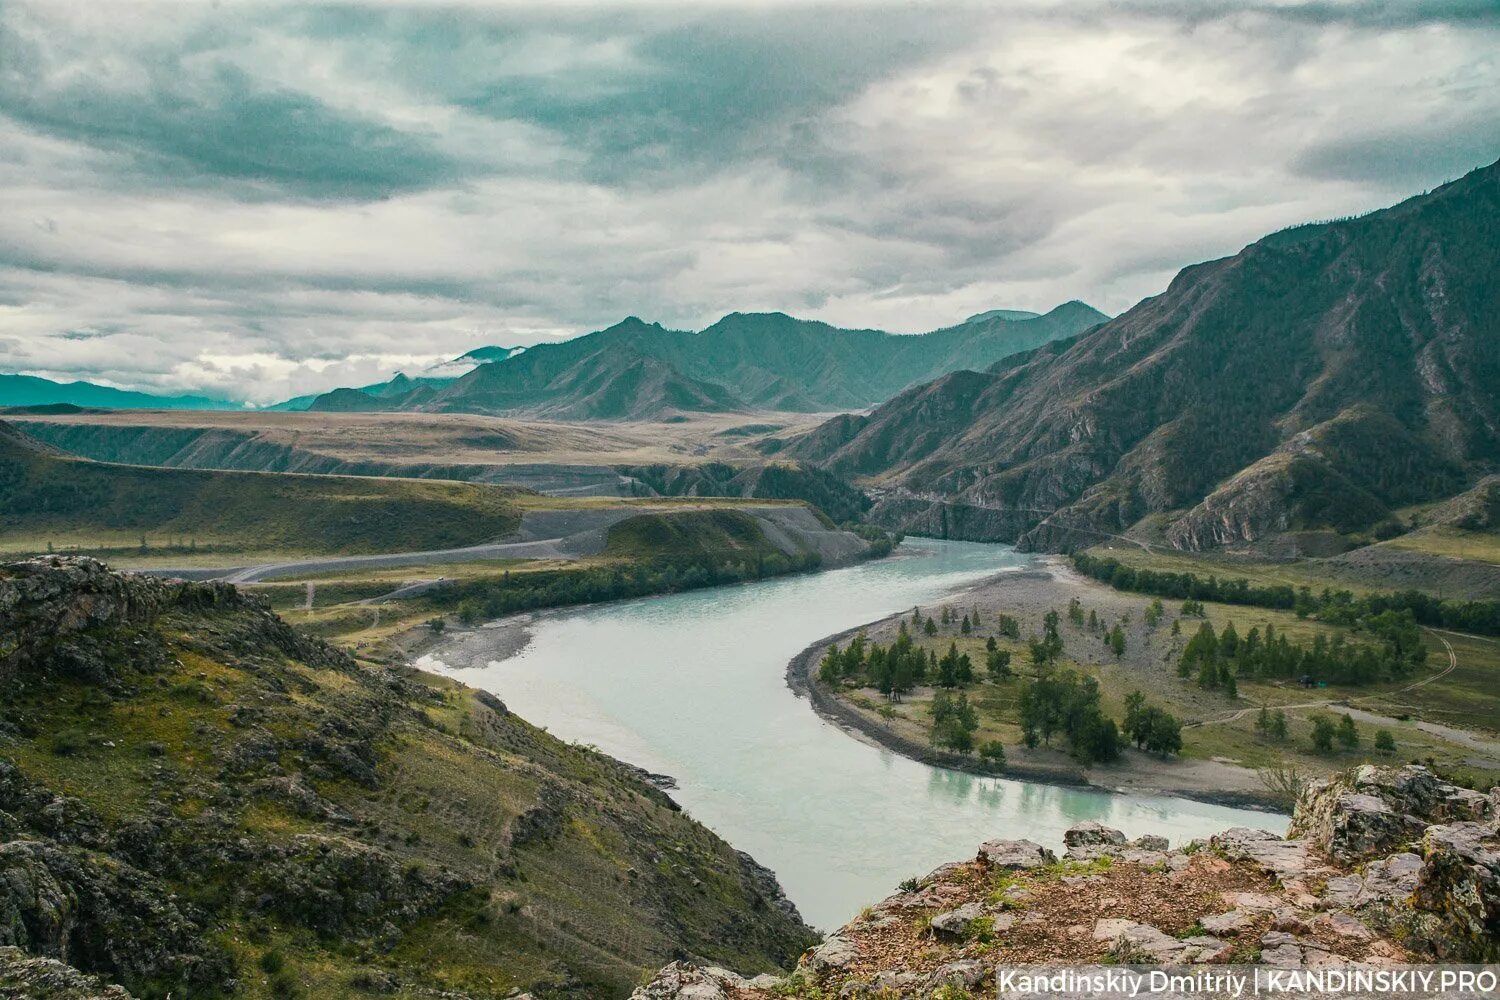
{"x":1046,"y":648}
{"x":1151,"y":727}
{"x":1339,"y":606}
{"x":996,"y":660}
{"x":493,"y":597}
{"x":1063,"y":703}
{"x":954,"y":722}
{"x":893,"y":670}
{"x":1216,"y":660}
{"x":1271,"y":725}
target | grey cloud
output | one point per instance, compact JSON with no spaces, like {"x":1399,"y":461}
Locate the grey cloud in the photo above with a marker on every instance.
{"x":241,"y":198}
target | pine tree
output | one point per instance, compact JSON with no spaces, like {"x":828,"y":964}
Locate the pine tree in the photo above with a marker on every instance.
{"x":1322,"y":734}
{"x":1279,"y":729}
{"x":1117,"y":641}
{"x":1347,"y":735}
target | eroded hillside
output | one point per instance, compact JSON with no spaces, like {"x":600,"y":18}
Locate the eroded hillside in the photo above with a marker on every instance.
{"x":196,"y":800}
{"x":1319,"y":379}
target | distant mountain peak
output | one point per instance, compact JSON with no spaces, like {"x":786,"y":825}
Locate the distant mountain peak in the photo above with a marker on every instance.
{"x":768,"y":361}
{"x":1010,"y":315}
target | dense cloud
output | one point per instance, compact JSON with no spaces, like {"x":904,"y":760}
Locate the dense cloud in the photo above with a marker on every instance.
{"x":261,"y":200}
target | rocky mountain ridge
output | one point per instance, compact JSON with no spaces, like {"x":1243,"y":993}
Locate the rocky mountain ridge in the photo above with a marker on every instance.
{"x":196,"y":800}
{"x":1317,"y":380}
{"x":1381,"y":866}
{"x":745,"y":361}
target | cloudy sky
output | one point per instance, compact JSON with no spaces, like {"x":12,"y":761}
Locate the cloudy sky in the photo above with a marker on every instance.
{"x":256,"y":200}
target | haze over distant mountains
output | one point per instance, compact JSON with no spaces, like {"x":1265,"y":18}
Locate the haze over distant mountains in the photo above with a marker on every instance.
{"x":1319,"y":379}
{"x":642,"y":371}
{"x":745,"y":361}
{"x":29,"y":390}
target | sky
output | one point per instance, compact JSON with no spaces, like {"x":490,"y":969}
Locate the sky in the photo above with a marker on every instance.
{"x":257,"y":200}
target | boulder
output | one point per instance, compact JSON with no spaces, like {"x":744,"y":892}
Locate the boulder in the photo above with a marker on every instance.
{"x":834,"y":954}
{"x":1459,"y":884}
{"x":953,"y":926}
{"x":1387,"y":882}
{"x":684,"y":981}
{"x":1089,"y":833}
{"x":1131,"y":941}
{"x":1374,"y":810}
{"x":32,"y":978}
{"x":966,"y":974}
{"x":1286,"y":859}
{"x":1342,"y":925}
{"x":1015,"y":854}
{"x":1236,"y":921}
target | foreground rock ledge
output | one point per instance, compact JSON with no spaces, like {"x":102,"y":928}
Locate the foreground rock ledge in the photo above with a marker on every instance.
{"x":1383,"y":866}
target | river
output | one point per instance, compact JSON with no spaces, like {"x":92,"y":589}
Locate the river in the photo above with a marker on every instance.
{"x":692,"y":685}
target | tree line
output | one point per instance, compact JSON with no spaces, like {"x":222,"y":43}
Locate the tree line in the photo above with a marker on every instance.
{"x":1335,"y":606}
{"x":1218,"y":659}
{"x":494,"y":597}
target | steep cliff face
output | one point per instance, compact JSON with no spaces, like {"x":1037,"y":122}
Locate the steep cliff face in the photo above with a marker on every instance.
{"x":1319,"y":378}
{"x":193,"y":795}
{"x":1381,"y":866}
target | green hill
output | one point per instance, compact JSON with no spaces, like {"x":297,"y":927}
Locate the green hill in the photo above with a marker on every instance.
{"x":258,"y":815}
{"x":46,"y":496}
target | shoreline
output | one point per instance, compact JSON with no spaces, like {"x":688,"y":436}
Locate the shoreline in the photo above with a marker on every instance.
{"x":800,"y":671}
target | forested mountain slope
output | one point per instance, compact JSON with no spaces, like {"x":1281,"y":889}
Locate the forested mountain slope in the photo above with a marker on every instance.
{"x":1317,"y":379}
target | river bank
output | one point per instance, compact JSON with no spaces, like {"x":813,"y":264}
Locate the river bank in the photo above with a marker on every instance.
{"x":1029,"y":593}
{"x":692,"y":685}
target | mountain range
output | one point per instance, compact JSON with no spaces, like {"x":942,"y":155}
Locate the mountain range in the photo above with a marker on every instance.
{"x":1315,"y":382}
{"x":745,"y":361}
{"x":30,"y":390}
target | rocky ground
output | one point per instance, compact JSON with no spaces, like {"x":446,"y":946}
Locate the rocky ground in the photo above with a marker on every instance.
{"x":1383,"y":866}
{"x":198,"y":801}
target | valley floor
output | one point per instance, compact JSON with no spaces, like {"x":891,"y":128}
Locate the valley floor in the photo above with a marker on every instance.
{"x":1224,"y":759}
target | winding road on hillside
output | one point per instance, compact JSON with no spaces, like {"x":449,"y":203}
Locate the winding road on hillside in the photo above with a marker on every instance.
{"x":567,"y":547}
{"x":545,"y":534}
{"x":1456,"y":735}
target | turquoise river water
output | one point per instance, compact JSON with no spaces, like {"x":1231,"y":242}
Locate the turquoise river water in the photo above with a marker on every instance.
{"x":693,"y":685}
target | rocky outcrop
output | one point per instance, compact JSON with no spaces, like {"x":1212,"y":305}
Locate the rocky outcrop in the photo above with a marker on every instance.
{"x":27,"y":977}
{"x":1372,"y":811}
{"x":88,"y":912}
{"x":1381,"y":866}
{"x":76,"y":618}
{"x":193,"y":794}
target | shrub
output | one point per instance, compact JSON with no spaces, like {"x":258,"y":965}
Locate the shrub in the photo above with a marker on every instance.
{"x":993,"y":753}
{"x":69,"y":742}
